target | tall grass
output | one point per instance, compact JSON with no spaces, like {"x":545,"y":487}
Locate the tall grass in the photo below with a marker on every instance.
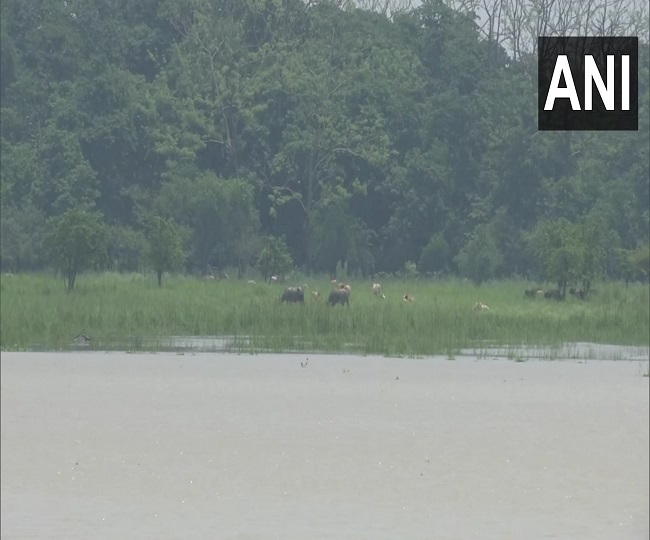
{"x":130,"y":311}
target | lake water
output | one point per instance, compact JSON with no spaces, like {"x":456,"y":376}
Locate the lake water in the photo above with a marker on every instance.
{"x":115,"y":445}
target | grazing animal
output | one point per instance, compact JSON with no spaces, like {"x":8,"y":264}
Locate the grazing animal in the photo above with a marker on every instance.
{"x":480,"y":306}
{"x":578,"y":293}
{"x":534,"y":293}
{"x":408,"y":298}
{"x":555,"y":294}
{"x":376,"y":290}
{"x":82,"y":340}
{"x":293,"y":295}
{"x":315,"y":294}
{"x":340,"y":296}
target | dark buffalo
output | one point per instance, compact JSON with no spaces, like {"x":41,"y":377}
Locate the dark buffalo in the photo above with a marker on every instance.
{"x":339,"y":296}
{"x":578,"y":293}
{"x":293,"y":294}
{"x":554,"y":294}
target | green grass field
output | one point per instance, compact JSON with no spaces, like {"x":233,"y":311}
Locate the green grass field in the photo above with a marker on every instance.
{"x":130,"y":312}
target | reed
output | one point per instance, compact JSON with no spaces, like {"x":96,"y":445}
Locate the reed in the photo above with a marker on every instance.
{"x":131,"y":312}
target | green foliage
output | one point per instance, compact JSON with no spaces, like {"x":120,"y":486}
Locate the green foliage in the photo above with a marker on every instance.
{"x":573,"y":252}
{"x":126,"y":249}
{"x":339,"y":237}
{"x":77,"y":241}
{"x":558,"y":251}
{"x":127,"y":311}
{"x":22,"y":233}
{"x":352,"y":134}
{"x":635,"y":264}
{"x":220,"y":214}
{"x":410,"y":270}
{"x":480,"y":258}
{"x":165,"y":246}
{"x":274,"y":260}
{"x":435,"y":256}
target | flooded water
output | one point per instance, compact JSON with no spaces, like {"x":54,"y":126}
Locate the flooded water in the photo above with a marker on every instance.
{"x":575,"y":351}
{"x":114,"y":445}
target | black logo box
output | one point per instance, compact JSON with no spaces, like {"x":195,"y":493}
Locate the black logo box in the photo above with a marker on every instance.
{"x":562,"y":117}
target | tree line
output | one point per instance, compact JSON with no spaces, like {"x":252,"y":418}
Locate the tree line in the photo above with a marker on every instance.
{"x":373,"y":138}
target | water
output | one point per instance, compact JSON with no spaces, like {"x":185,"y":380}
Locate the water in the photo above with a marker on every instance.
{"x":173,"y":445}
{"x":580,"y":350}
{"x":245,"y":343}
{"x":221,"y":343}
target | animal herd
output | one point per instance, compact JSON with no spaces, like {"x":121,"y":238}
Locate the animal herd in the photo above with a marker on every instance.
{"x":341,"y":295}
{"x":342,"y":292}
{"x":555,"y":294}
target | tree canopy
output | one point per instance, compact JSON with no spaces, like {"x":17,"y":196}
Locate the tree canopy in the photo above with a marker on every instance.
{"x":365,"y":137}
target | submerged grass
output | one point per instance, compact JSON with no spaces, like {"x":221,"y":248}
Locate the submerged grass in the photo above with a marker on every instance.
{"x":131,"y":312}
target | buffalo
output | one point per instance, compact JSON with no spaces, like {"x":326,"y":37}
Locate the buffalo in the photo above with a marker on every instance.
{"x":533,"y":293}
{"x":294,"y":295}
{"x":554,"y":294}
{"x":578,"y":293}
{"x":340,"y":296}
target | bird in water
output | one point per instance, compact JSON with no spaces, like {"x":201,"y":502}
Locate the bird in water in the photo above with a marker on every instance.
{"x":81,"y":339}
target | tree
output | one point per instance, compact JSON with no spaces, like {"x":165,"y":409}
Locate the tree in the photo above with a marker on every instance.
{"x":338,"y":236}
{"x":275,"y":258}
{"x":635,"y":264}
{"x":77,"y":241}
{"x":165,"y":246}
{"x":221,"y":215}
{"x":126,"y":248}
{"x":22,"y":231}
{"x":435,"y":256}
{"x":480,"y":257}
{"x":557,"y":249}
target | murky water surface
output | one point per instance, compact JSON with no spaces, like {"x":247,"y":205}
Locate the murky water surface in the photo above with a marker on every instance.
{"x":114,"y":445}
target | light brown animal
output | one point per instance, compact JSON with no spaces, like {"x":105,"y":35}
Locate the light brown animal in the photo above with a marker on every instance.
{"x":480,"y":306}
{"x":408,"y":298}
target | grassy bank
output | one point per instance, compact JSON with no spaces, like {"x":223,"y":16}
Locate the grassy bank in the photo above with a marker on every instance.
{"x":130,"y":312}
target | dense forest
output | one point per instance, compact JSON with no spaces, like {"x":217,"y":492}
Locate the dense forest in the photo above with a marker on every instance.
{"x":356,"y":138}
